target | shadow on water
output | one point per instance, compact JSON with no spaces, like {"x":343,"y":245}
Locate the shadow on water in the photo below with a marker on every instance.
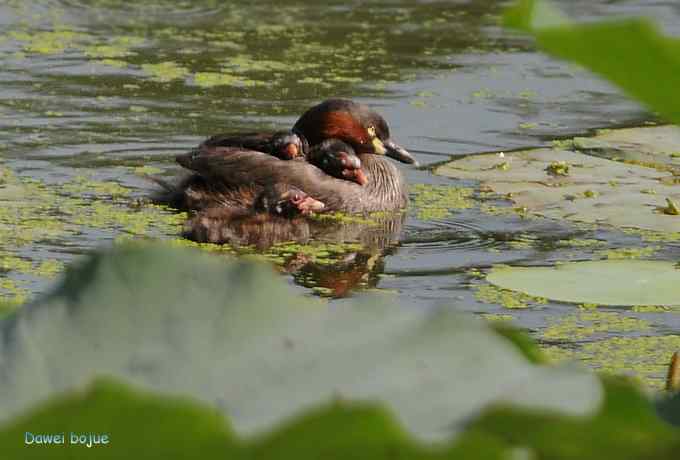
{"x":357,"y":268}
{"x":332,"y":255}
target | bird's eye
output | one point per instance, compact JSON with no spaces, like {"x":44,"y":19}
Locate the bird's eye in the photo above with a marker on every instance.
{"x":371,"y":131}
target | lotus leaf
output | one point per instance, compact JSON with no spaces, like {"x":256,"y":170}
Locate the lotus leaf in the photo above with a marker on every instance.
{"x":234,"y":335}
{"x":602,"y":282}
{"x":596,"y":190}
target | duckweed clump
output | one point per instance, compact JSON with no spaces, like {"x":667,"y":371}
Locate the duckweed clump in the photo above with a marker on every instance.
{"x":558,"y":168}
{"x":589,"y":323}
{"x":319,"y":253}
{"x":563,"y":144}
{"x":343,"y":218}
{"x":438,"y":201}
{"x":614,"y":342}
{"x":223,"y":249}
{"x":210,"y":79}
{"x":645,"y":358}
{"x":496,"y":210}
{"x":651,"y":236}
{"x":147,"y":170}
{"x":495,"y":317}
{"x":12,"y":294}
{"x":629,"y":253}
{"x":523,"y":241}
{"x":651,"y":309}
{"x":580,"y":243}
{"x":491,"y":294}
{"x":33,"y":212}
{"x":84,"y":186}
{"x":165,"y":71}
{"x":49,"y":42}
{"x":45,"y":269}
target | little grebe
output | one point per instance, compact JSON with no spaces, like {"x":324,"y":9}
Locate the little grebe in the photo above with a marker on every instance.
{"x":286,"y":201}
{"x":233,"y":171}
{"x":337,"y":159}
{"x":272,"y":218}
{"x":285,"y":145}
{"x":351,"y":122}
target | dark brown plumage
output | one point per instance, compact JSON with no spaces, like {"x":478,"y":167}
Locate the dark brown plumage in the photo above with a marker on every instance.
{"x":228,"y":176}
{"x":275,"y":216}
{"x":284,"y":145}
{"x":336,"y":159}
{"x":223,"y":172}
{"x":357,"y":124}
{"x":385,"y":189}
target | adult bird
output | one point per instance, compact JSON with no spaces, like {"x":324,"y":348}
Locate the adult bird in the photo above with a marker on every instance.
{"x":360,"y":128}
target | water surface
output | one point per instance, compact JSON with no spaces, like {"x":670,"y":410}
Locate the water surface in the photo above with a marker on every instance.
{"x":95,"y":94}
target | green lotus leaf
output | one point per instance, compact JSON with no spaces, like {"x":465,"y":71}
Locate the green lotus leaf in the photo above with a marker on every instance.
{"x":596,"y":190}
{"x":630,"y":53}
{"x":606,"y":282}
{"x":111,"y":420}
{"x":235,"y":336}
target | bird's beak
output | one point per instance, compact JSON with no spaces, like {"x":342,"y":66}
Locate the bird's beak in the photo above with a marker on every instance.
{"x":398,"y":152}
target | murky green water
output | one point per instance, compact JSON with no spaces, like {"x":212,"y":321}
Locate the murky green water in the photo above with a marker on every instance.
{"x":95,"y":94}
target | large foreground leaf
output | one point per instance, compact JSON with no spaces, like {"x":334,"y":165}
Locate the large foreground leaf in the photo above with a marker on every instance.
{"x":355,"y":381}
{"x":235,"y":336}
{"x":142,"y":425}
{"x":630,"y":53}
{"x":624,"y":429}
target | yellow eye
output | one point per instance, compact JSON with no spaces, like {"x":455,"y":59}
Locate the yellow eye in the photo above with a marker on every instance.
{"x":371,"y":131}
